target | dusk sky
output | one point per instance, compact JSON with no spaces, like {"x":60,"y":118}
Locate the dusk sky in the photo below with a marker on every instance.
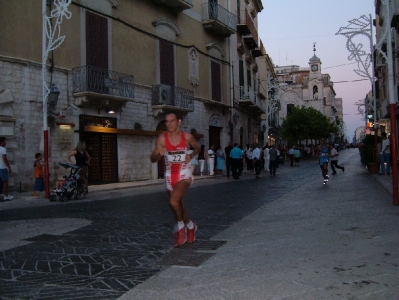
{"x":288,"y":29}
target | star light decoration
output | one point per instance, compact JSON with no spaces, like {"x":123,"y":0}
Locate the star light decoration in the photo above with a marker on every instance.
{"x":361,"y":27}
{"x":53,"y":33}
{"x":273,"y":95}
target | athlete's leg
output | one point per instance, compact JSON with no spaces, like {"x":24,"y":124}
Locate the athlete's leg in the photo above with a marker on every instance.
{"x":176,"y":200}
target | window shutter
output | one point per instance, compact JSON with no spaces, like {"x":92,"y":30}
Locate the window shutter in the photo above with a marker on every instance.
{"x":216,"y":81}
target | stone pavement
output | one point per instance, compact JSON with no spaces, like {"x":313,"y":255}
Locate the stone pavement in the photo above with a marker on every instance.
{"x":338,"y":241}
{"x":307,"y":241}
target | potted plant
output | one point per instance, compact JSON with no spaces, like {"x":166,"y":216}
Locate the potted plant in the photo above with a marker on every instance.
{"x":367,"y":154}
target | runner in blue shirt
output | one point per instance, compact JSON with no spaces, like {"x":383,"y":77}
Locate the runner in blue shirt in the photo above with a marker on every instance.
{"x":324,"y":154}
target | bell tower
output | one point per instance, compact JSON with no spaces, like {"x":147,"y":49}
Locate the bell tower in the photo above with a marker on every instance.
{"x":314,"y":65}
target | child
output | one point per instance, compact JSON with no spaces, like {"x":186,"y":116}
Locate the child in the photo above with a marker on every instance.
{"x":39,"y":180}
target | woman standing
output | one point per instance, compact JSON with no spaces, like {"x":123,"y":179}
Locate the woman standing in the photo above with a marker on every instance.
{"x":82,"y":159}
{"x":201,"y":159}
{"x":211,"y":160}
{"x":220,"y":158}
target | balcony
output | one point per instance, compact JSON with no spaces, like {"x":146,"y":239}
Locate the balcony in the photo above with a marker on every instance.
{"x":217,"y":19}
{"x":94,"y":84}
{"x":247,"y":29}
{"x":259,"y":107}
{"x":176,"y":5}
{"x":247,"y":95}
{"x":171,"y":98}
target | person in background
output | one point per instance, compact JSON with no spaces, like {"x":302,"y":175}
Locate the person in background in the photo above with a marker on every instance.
{"x":228,"y":159}
{"x":39,"y":180}
{"x":82,"y":159}
{"x":211,"y":160}
{"x":266,"y":155}
{"x":194,"y":161}
{"x":324,"y":155}
{"x":291,"y":155}
{"x":249,"y":160}
{"x":273,"y":160}
{"x":334,"y":160}
{"x":220,"y":157}
{"x":236,"y":158}
{"x":385,"y":155}
{"x":297,"y":156}
{"x":256,"y":160}
{"x":5,"y":168}
{"x":202,"y":157}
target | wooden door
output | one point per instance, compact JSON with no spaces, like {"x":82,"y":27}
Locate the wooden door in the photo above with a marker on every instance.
{"x":214,"y":136}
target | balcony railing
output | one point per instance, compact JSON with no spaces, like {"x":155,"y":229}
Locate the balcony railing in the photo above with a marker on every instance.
{"x":102,"y":81}
{"x":247,"y":27}
{"x":178,"y":5}
{"x":215,"y":12}
{"x":175,"y":96}
{"x":247,"y":95}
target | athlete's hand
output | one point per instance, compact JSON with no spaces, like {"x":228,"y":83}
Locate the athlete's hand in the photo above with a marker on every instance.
{"x":161,"y":150}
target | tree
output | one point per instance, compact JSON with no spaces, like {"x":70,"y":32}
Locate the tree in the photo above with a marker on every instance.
{"x":306,"y":123}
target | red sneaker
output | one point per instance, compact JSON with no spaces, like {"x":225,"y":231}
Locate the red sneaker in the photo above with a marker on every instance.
{"x":180,"y":237}
{"x":191,"y":234}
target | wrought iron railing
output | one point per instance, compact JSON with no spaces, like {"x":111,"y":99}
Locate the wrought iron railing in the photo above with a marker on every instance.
{"x":102,"y":81}
{"x":247,"y":94}
{"x":163,"y":94}
{"x":213,"y":11}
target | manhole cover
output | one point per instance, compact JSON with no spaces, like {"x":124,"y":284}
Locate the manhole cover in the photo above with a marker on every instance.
{"x":185,"y":258}
{"x":203,"y":245}
{"x":45,"y":238}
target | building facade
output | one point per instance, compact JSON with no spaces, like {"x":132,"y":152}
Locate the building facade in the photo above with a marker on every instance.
{"x":137,"y":60}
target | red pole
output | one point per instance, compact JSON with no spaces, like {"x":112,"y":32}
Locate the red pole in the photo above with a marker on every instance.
{"x":394,"y":148}
{"x":46,"y":169}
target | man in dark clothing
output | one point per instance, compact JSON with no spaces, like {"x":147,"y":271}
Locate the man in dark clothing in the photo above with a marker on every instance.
{"x":236,"y":159}
{"x":228,"y":159}
{"x":273,"y":160}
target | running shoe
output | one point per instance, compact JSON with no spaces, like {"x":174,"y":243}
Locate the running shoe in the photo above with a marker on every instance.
{"x":191,"y":234}
{"x":325,"y":182}
{"x":180,"y":237}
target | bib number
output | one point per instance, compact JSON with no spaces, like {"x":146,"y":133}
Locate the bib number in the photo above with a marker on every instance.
{"x":177,"y":157}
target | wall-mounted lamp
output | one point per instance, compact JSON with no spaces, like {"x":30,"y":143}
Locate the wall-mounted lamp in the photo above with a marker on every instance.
{"x":64,"y":125}
{"x":53,"y":96}
{"x":110,"y":111}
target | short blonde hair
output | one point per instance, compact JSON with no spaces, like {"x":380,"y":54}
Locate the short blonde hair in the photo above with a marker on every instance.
{"x":80,"y":145}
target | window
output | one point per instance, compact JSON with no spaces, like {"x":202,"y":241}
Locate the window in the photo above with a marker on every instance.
{"x":289,"y":108}
{"x":249,"y":77}
{"x":167,"y":63}
{"x":241,"y":70}
{"x":216,"y":81}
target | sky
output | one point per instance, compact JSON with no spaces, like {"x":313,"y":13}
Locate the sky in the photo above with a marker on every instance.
{"x":288,"y":29}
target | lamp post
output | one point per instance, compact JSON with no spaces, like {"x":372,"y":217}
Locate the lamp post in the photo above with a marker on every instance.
{"x":364,"y":26}
{"x":51,"y":39}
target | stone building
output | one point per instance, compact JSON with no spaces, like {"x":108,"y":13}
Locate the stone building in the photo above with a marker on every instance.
{"x":307,"y":86}
{"x":122,"y":66}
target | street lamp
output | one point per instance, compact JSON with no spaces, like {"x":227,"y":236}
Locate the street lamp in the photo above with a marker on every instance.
{"x":364,"y":26}
{"x":51,"y":40}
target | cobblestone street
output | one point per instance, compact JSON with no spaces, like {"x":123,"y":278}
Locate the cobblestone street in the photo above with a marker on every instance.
{"x":120,"y":242}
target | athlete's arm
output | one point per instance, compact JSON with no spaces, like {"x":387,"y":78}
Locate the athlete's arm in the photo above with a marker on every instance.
{"x":159,"y":149}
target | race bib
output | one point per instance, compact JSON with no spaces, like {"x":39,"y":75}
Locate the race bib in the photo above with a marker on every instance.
{"x":177,"y":157}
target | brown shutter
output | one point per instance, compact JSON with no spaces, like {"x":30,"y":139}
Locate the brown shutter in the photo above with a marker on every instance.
{"x":216,"y":81}
{"x":96,"y":40}
{"x":167,"y":63}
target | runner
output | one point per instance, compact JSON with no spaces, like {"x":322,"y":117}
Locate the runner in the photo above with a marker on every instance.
{"x":323,"y":159}
{"x":173,"y":144}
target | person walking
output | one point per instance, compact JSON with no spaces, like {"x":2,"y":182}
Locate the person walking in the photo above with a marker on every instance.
{"x":297,"y":156}
{"x":211,"y":160}
{"x":236,"y":157}
{"x":82,"y":159}
{"x":173,"y":145}
{"x":228,"y":159}
{"x":5,"y":169}
{"x":385,"y":155}
{"x":273,"y":160}
{"x":266,"y":155}
{"x":39,"y":180}
{"x":202,"y":157}
{"x":193,"y":162}
{"x":324,"y":155}
{"x":256,"y":160}
{"x":291,"y":155}
{"x":334,"y":160}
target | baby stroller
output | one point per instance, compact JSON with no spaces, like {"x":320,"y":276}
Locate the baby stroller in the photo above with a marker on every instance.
{"x":73,"y":187}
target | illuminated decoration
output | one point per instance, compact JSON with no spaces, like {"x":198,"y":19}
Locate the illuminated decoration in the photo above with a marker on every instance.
{"x":51,"y":40}
{"x":273,"y":95}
